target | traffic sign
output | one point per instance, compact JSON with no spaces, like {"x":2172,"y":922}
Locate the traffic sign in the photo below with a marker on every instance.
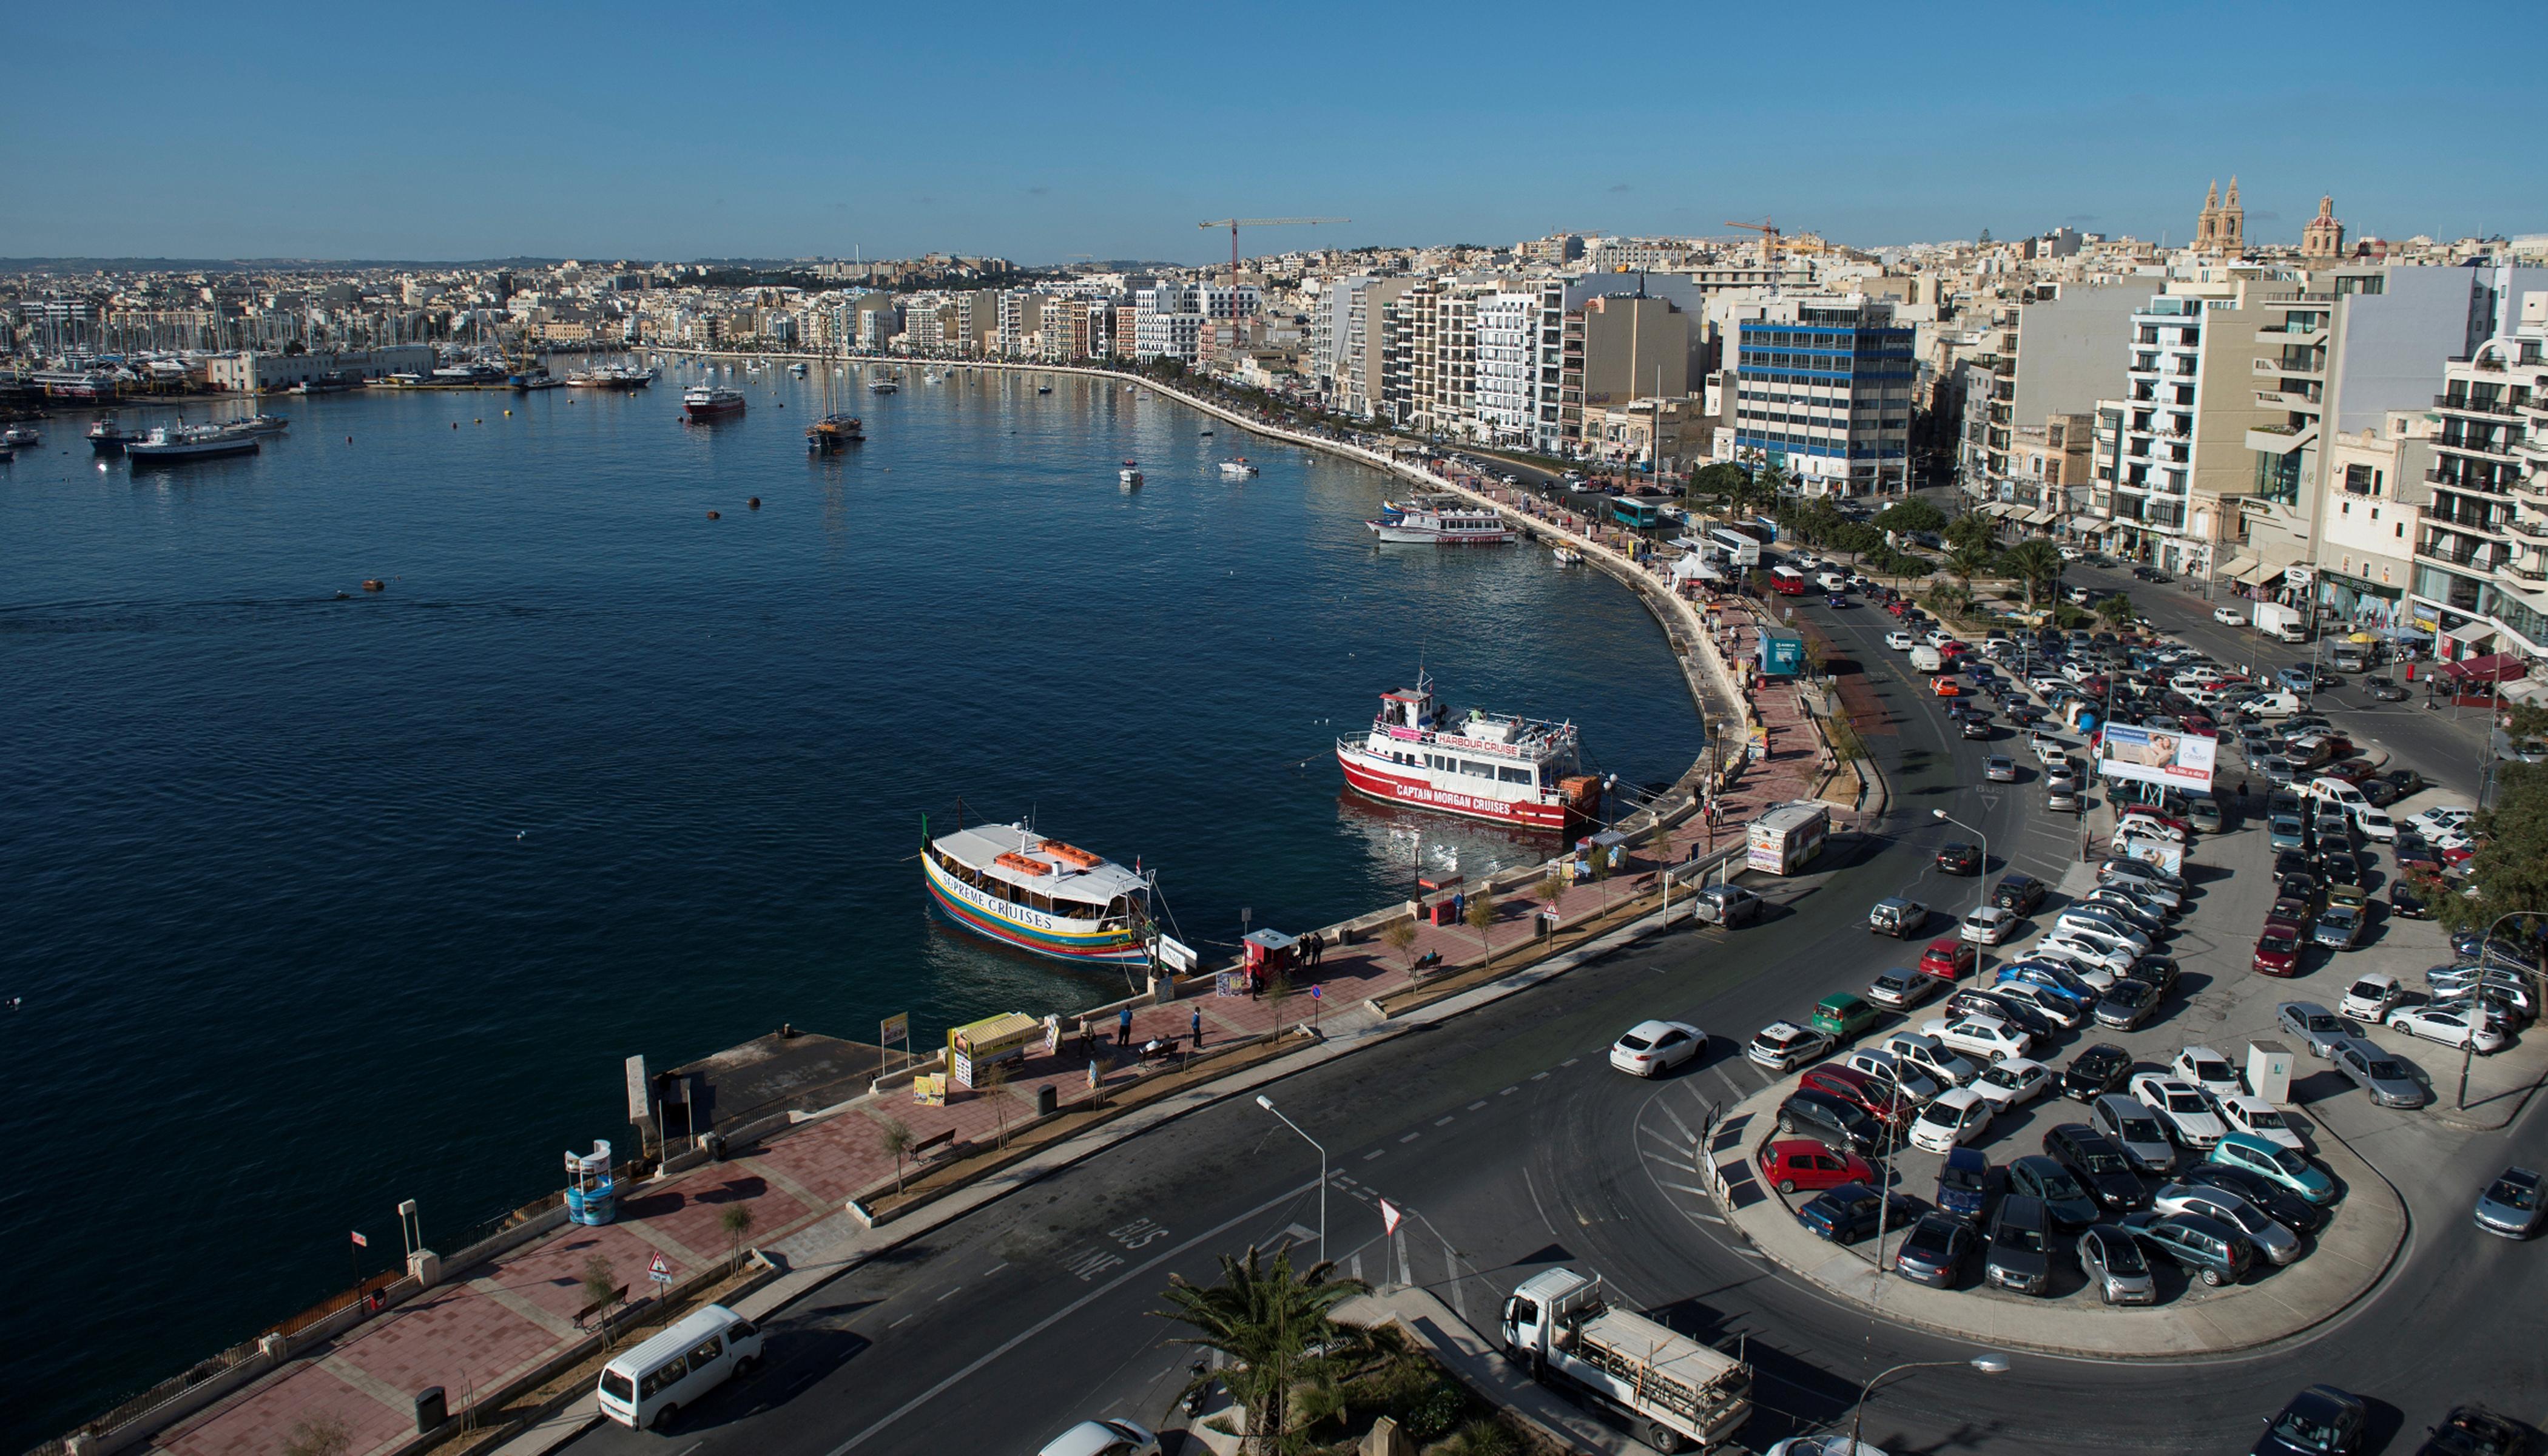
{"x":659,"y":1271}
{"x":1388,"y":1216}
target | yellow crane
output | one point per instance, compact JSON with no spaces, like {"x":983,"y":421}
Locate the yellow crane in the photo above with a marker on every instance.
{"x":1768,"y":228}
{"x":1233,"y":224}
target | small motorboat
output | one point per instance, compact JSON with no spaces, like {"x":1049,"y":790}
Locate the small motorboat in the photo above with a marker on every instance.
{"x":1130,"y":474}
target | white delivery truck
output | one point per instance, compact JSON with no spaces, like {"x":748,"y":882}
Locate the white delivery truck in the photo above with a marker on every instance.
{"x":1678,"y":1392}
{"x":1786,"y":839}
{"x":2285,"y":623}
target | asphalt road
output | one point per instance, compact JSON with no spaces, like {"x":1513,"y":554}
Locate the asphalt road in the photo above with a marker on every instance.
{"x":1511,"y":1145}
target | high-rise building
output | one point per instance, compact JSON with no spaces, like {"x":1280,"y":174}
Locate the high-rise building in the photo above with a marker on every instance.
{"x":1507,"y":370}
{"x":2480,"y":564}
{"x":2035,"y":371}
{"x":1822,"y":389}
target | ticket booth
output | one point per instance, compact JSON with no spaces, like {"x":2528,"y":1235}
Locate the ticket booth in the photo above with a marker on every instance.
{"x":1436,"y":894}
{"x":2269,"y":1071}
{"x":590,"y":1195}
{"x":974,"y":1045}
{"x":1269,"y":953}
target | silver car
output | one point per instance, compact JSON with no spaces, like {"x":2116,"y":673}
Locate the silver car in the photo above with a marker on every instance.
{"x":2115,"y":1267}
{"x":2277,"y":1243}
{"x":2318,"y":1028}
{"x":2135,"y":1129}
{"x":2391,"y":1083}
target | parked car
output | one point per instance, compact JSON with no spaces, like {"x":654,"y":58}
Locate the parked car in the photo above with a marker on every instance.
{"x":1877,"y":1096}
{"x":1790,"y":1163}
{"x":2454,"y":1027}
{"x":2280,"y":1203}
{"x":2096,"y":1072}
{"x":2474,"y":1430}
{"x":2388,"y":1080}
{"x":1930,"y":1056}
{"x":1851,"y":1211}
{"x":2313,"y":1026}
{"x":2017,"y":1001}
{"x":1901,"y":990}
{"x":2127,"y":1004}
{"x":1957,"y":1115}
{"x":1841,"y":1015}
{"x":2319,"y":1422}
{"x":2012,"y":1082}
{"x":2208,"y":1070}
{"x":2257,"y":1117}
{"x":2511,"y":1205}
{"x":1782,"y":1046}
{"x":1985,"y":1038}
{"x":1963,"y":1183}
{"x":2206,"y":1248}
{"x":2019,"y":1255}
{"x":1884,"y":1067}
{"x":2279,"y":1165}
{"x":2067,"y":1204}
{"x":1836,"y":1123}
{"x":2099,"y":1165}
{"x":2181,"y":1109}
{"x":2112,"y":1261}
{"x":1988,"y":926}
{"x":2371,"y":997}
{"x":1728,"y":905}
{"x":2135,"y":1129}
{"x":2277,"y":952}
{"x":1936,"y":1252}
{"x":2278,"y":1244}
{"x":1651,"y":1048}
{"x":1948,"y":959}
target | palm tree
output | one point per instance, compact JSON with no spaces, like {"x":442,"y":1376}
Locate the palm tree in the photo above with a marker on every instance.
{"x":2037,"y":564}
{"x":1263,"y":1319}
{"x":2116,"y":611}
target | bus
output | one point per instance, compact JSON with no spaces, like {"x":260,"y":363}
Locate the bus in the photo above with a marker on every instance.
{"x":1787,"y":580}
{"x":1786,"y":839}
{"x":1740,"y":549}
{"x":1638,"y":513}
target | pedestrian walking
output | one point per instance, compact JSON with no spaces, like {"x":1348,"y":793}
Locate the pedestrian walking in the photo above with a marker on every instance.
{"x":1197,"y":1027}
{"x":1123,"y":1027}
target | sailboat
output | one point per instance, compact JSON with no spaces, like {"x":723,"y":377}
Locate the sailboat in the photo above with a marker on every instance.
{"x":834,"y":429}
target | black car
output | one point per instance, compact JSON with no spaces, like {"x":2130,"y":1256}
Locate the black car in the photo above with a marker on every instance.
{"x":2019,"y":894}
{"x":2096,"y":1072}
{"x":2385,"y":689}
{"x":2067,"y":1204}
{"x":2293,"y":861}
{"x":2020,"y":1255}
{"x":2474,"y":1430}
{"x":2405,"y":903}
{"x":1978,"y":729}
{"x":2009,"y":1009}
{"x":1936,"y":1252}
{"x":2127,"y":1004}
{"x":2404,"y":781}
{"x":2100,"y":1166}
{"x":1851,"y":1211}
{"x":1958,"y":857}
{"x":2342,"y":867}
{"x":1835,"y":1122}
{"x":2272,"y":1199}
{"x":2160,"y":971}
{"x":2379,"y":793}
{"x":2319,"y":1422}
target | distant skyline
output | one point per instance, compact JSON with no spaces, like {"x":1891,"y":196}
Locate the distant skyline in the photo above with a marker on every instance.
{"x":662,"y":132}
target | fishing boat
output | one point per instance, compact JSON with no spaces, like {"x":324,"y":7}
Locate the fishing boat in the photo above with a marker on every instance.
{"x":711,"y":400}
{"x":1130,"y":474}
{"x":1012,"y":884}
{"x":21,"y":437}
{"x":1236,"y":470}
{"x":107,"y":437}
{"x":796,"y":370}
{"x":1567,"y":555}
{"x":883,"y":387}
{"x":172,"y":445}
{"x":1439,"y":520}
{"x":1497,"y":766}
{"x":263,"y":425}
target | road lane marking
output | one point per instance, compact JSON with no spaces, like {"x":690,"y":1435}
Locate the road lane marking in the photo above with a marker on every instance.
{"x":1441,"y":1122}
{"x":1409,"y":1137}
{"x":1056,"y":1317}
{"x":1375,"y":1153}
{"x":1508,"y":1091}
{"x":941,"y":1298}
{"x":1535,"y":1076}
{"x":995,"y":1268}
{"x":1684,"y":1188}
{"x":1570,"y":1061}
{"x":1474,"y":1106}
{"x":898,"y":1323}
{"x":1685,"y":1133}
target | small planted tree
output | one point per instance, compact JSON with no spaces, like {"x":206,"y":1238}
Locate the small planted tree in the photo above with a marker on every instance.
{"x":736,"y":1220}
{"x":1480,"y":916}
{"x":896,"y":1139}
{"x":992,"y":1083}
{"x":1548,"y":892}
{"x":1278,"y":989}
{"x":601,"y":1287}
{"x":1399,"y":936}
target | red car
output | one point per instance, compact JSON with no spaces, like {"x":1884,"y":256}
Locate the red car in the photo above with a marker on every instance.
{"x":2277,"y":953}
{"x":2351,"y":770}
{"x":2454,"y":858}
{"x":1875,"y":1097}
{"x":1897,"y":608}
{"x":1947,"y":687}
{"x":1788,"y":1164}
{"x":1948,"y":958}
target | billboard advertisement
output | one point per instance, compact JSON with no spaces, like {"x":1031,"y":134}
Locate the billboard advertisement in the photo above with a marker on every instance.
{"x":2180,"y":761}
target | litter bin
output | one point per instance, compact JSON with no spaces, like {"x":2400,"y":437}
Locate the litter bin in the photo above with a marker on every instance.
{"x":715,"y":1144}
{"x":430,"y":1410}
{"x":1048,"y":1100}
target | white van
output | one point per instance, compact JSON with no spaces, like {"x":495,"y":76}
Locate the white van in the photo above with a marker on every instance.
{"x":649,"y":1385}
{"x":1924,"y":659}
{"x":2373,"y":824}
{"x":1832,"y":582}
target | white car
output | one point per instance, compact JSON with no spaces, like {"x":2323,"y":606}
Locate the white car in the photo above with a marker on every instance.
{"x":2046,"y":684}
{"x":2439,"y":819}
{"x":1900,"y":641}
{"x":2047,"y":747}
{"x":2257,"y":1117}
{"x":2098,"y":931}
{"x":1984,"y":1036}
{"x":1939,"y":637}
{"x":2090,"y":963}
{"x":2069,"y":553}
{"x":1910,"y":1081}
{"x":2078,"y":672}
{"x":1651,"y":1048}
{"x":1900,"y":991}
{"x":1930,"y":1055}
{"x":1989,"y":925}
{"x":1111,"y":1437}
{"x":1782,"y":1046}
{"x":2013,"y":1083}
{"x":1959,"y":1115}
{"x":2371,"y":997}
{"x":2180,"y":1108}
{"x":2209,"y":1070}
{"x":2146,"y":826}
{"x":2452,"y":1028}
{"x":2226,"y":616}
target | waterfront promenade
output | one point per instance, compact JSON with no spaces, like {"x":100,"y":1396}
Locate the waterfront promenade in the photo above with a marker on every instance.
{"x":816,"y":1185}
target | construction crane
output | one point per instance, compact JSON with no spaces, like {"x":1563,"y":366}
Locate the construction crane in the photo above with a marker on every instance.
{"x":1233,"y":224}
{"x":1768,"y":228}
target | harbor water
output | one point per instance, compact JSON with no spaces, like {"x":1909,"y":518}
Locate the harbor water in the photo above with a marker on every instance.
{"x":323,"y":898}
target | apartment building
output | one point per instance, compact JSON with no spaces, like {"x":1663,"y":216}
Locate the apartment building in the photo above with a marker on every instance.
{"x":1350,"y":337}
{"x":2036,"y":372}
{"x":2369,"y":519}
{"x":1822,"y":388}
{"x":2481,"y":562}
{"x":1442,"y":318}
{"x":2174,"y":448}
{"x":1021,"y":320}
{"x":1506,"y":381}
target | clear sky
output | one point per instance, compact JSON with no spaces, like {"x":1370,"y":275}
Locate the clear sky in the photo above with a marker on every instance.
{"x":1040,"y":132}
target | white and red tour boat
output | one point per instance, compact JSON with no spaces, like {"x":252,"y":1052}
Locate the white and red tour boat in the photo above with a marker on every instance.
{"x":711,"y":400}
{"x":1439,"y":520}
{"x":1486,"y":766}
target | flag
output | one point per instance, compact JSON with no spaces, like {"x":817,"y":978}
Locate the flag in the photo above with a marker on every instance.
{"x":361,"y":1242}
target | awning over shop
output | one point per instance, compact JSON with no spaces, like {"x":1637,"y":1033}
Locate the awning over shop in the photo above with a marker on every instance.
{"x":2039,"y":518}
{"x":2528,"y":690}
{"x":2257,"y":575}
{"x":2469,"y":634}
{"x":2499,"y":667}
{"x":2236,"y":564}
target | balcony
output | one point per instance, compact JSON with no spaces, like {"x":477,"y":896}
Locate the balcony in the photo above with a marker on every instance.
{"x":2279,"y":439}
{"x":2463,"y":405}
{"x":2523,"y":526}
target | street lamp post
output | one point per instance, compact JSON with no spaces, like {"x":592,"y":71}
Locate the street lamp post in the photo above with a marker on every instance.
{"x":1981,"y":895}
{"x":1987,"y":1364}
{"x":1268,"y":1103}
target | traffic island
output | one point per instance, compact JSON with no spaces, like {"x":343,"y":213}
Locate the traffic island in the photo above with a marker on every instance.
{"x":2342,"y":1263}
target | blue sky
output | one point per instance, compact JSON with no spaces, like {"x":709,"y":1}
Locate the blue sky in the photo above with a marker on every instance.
{"x":1040,"y":132}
